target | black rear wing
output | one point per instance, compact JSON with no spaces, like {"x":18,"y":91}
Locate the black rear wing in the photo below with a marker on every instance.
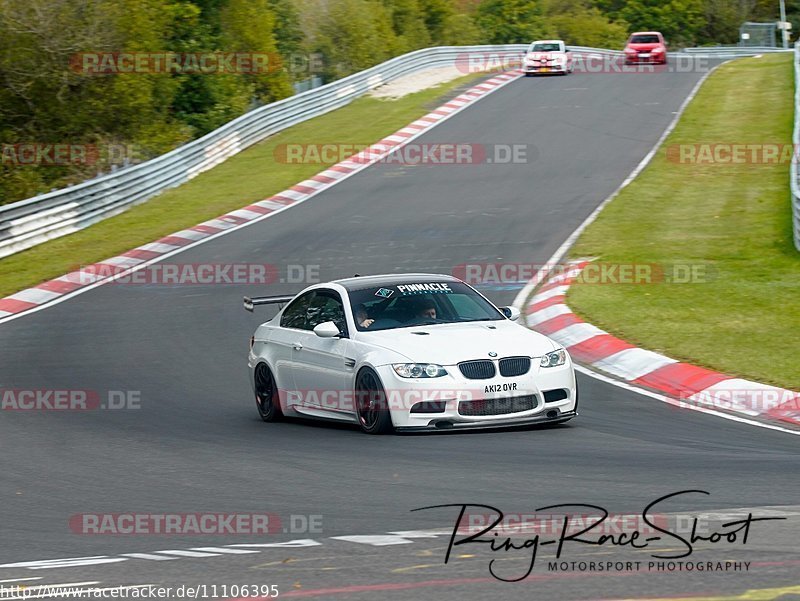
{"x":251,"y":303}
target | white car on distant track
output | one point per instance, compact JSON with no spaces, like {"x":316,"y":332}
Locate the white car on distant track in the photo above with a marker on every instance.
{"x":547,"y":56}
{"x":406,"y":352}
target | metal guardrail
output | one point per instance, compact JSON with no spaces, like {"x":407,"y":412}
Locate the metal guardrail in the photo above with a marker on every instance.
{"x":723,"y":51}
{"x":793,"y":174}
{"x":29,"y":222}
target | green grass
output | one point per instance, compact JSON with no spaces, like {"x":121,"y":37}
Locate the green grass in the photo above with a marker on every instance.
{"x":248,"y":177}
{"x":736,"y":219}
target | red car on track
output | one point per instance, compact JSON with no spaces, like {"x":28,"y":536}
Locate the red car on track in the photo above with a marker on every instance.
{"x":646,"y":47}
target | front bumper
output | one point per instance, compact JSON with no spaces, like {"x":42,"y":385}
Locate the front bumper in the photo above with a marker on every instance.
{"x":451,"y":390}
{"x":637,"y":59}
{"x":560,"y":68}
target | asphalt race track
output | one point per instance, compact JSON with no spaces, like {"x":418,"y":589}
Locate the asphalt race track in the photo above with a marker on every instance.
{"x":197,"y":445}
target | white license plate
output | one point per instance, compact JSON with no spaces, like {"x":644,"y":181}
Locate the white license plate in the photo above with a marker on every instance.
{"x":644,"y":55}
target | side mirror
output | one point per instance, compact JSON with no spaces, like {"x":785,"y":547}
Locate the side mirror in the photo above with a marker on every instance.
{"x":327,"y":329}
{"x":511,"y":312}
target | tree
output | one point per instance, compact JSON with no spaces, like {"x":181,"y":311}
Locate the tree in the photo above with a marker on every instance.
{"x":681,"y":21}
{"x":511,"y":21}
{"x":354,"y":35}
{"x":408,"y":25}
{"x":580,"y":22}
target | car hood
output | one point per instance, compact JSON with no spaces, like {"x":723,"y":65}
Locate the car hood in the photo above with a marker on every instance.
{"x":541,"y":55}
{"x":448,"y":344}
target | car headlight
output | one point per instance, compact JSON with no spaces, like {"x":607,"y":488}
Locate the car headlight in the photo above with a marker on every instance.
{"x":554,"y":359}
{"x":419,"y":370}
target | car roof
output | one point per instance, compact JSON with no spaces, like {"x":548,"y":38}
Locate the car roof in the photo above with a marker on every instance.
{"x":646,"y":33}
{"x":370,"y":281}
{"x":547,"y":42}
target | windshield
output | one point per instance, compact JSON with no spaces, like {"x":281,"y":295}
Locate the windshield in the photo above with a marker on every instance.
{"x":545,"y":48}
{"x":644,"y":39}
{"x":417,"y":303}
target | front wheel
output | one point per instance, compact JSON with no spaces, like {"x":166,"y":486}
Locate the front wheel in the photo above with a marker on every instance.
{"x":267,"y":401}
{"x":371,"y":406}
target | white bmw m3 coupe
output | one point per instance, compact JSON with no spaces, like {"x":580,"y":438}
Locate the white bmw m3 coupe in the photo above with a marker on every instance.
{"x":406,"y":352}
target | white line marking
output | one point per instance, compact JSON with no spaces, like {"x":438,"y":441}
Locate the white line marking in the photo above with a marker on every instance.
{"x":223,"y":550}
{"x":39,"y":587}
{"x":305,"y":542}
{"x":185,"y":553}
{"x":376,"y":540}
{"x":69,"y":562}
{"x":152,"y":556}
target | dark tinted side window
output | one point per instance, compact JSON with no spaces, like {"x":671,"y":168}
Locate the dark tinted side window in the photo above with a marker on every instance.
{"x":295,"y":314}
{"x":326,"y":306}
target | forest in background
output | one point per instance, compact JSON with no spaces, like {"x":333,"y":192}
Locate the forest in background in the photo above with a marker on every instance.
{"x":45,"y":99}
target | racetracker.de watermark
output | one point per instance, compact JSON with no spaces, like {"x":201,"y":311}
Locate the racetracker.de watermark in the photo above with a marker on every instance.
{"x":595,"y":272}
{"x":593,"y":63}
{"x":732,"y":153}
{"x":63,"y":154}
{"x":52,"y":399}
{"x":412,"y":153}
{"x":593,"y":525}
{"x":172,"y":63}
{"x":196,"y":523}
{"x":754,"y":400}
{"x":199,"y":274}
{"x":568,"y":523}
{"x":420,"y":400}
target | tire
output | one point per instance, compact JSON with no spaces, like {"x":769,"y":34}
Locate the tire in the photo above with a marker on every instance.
{"x":267,"y":398}
{"x":528,"y":74}
{"x":371,"y":407}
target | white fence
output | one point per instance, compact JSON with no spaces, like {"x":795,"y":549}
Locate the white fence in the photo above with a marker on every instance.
{"x":29,"y":222}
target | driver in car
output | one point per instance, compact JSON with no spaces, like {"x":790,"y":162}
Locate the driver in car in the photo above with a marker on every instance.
{"x":425,"y":309}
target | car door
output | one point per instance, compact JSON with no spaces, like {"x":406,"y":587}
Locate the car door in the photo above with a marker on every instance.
{"x":322,"y":371}
{"x":282,"y":340}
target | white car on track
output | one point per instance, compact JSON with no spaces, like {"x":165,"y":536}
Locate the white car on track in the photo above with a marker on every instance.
{"x":406,"y":352}
{"x":547,"y":56}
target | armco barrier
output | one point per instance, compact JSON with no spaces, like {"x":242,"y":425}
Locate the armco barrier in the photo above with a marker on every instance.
{"x":35,"y":220}
{"x":732,"y":51}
